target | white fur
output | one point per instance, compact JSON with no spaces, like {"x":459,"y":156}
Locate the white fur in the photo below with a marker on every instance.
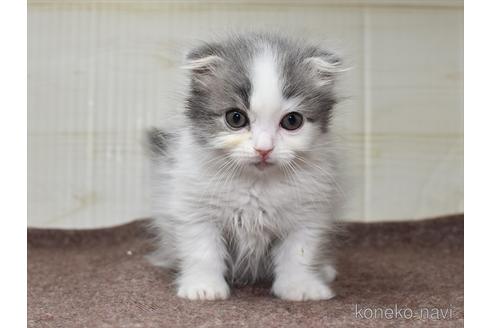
{"x":201,"y":196}
{"x":266,"y":96}
{"x":266,"y":100}
{"x":293,"y":256}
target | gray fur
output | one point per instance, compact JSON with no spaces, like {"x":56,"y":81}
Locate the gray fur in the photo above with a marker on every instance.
{"x":158,"y":141}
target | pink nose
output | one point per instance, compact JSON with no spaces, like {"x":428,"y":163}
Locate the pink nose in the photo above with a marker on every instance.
{"x":264,"y":152}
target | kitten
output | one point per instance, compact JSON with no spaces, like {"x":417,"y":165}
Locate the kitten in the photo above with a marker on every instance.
{"x":245,"y":190}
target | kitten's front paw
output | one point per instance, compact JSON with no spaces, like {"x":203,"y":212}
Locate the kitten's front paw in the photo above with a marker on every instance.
{"x":306,"y":289}
{"x":203,"y":288}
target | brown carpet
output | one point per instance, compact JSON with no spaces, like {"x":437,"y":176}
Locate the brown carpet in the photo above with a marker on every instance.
{"x":100,"y":278}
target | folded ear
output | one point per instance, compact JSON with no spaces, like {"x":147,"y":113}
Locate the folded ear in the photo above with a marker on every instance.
{"x":204,"y":59}
{"x":325,"y":66}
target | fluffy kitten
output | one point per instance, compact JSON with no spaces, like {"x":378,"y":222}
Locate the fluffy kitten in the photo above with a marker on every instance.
{"x":246,"y":189}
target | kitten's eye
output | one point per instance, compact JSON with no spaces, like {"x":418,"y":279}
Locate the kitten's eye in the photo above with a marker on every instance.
{"x":292,"y":121}
{"x":236,"y":118}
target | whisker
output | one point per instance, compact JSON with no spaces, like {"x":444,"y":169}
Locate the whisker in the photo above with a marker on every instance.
{"x":326,"y":173}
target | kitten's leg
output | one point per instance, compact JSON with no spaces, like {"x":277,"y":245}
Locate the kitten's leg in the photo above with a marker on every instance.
{"x":202,"y":263}
{"x":329,"y":272}
{"x":295,"y":278}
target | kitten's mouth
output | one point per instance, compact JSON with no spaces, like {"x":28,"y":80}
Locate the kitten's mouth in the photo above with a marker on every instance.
{"x":262,"y":165}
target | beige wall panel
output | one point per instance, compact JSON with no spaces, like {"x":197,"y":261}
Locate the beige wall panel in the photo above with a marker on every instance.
{"x":100,"y":73}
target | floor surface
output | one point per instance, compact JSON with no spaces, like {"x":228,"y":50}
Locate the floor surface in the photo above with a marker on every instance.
{"x":390,"y":274}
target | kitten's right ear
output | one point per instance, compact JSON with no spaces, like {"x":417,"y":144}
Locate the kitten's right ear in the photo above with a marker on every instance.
{"x":203,"y":60}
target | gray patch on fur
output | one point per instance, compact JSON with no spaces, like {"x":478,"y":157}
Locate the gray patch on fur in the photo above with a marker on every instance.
{"x":253,"y":268}
{"x":158,"y":141}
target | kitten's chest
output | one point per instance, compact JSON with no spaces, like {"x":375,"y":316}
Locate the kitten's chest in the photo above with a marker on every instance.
{"x":254,"y":206}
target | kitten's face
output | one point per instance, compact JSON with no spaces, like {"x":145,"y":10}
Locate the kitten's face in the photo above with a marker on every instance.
{"x":260,"y":102}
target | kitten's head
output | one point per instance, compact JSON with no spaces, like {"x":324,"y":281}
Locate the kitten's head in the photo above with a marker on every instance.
{"x":260,"y":99}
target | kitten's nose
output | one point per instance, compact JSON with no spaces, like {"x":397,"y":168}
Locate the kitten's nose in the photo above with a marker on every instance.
{"x":264,"y":152}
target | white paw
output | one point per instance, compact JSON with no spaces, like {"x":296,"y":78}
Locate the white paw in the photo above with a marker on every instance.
{"x":329,"y":273}
{"x":307,"y":289}
{"x":201,"y":288}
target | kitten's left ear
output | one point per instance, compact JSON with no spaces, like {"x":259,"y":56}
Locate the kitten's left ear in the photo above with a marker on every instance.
{"x":325,"y":66}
